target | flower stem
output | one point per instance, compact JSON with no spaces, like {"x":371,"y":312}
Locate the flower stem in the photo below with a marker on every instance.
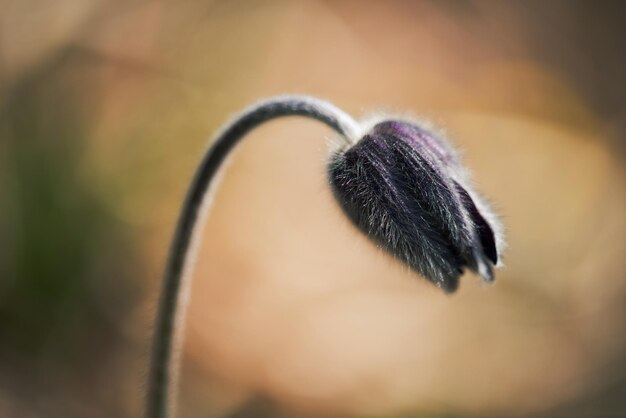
{"x":169,"y":327}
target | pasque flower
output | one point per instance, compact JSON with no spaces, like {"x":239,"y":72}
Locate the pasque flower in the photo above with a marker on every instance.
{"x":402,"y":185}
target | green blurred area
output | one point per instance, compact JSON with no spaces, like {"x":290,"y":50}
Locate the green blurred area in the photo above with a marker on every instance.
{"x":68,"y":261}
{"x":106,"y":106}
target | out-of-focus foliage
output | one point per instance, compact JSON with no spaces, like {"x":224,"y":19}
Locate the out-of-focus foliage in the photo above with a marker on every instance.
{"x":69,"y":270}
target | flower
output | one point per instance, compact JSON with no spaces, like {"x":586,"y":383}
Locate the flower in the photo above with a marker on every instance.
{"x":400,"y":184}
{"x":405,"y":188}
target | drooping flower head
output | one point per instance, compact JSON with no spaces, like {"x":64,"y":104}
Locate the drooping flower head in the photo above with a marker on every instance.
{"x":404,"y":187}
{"x":400,"y":184}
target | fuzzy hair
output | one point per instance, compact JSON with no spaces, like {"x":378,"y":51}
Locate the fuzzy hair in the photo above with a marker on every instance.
{"x":406,"y":190}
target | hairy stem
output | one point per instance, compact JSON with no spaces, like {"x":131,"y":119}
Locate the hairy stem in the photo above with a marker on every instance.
{"x":169,"y":327}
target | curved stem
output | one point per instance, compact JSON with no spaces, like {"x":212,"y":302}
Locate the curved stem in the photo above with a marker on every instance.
{"x":168,"y":333}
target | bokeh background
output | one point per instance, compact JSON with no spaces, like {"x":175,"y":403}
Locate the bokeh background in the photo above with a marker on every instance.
{"x":106,"y":107}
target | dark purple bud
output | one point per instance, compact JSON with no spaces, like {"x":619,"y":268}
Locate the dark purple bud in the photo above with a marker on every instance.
{"x":405,"y":189}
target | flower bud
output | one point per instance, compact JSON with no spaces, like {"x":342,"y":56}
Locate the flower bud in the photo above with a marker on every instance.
{"x":405,"y":189}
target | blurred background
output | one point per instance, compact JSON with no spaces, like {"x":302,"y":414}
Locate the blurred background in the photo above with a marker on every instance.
{"x":106,"y":108}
